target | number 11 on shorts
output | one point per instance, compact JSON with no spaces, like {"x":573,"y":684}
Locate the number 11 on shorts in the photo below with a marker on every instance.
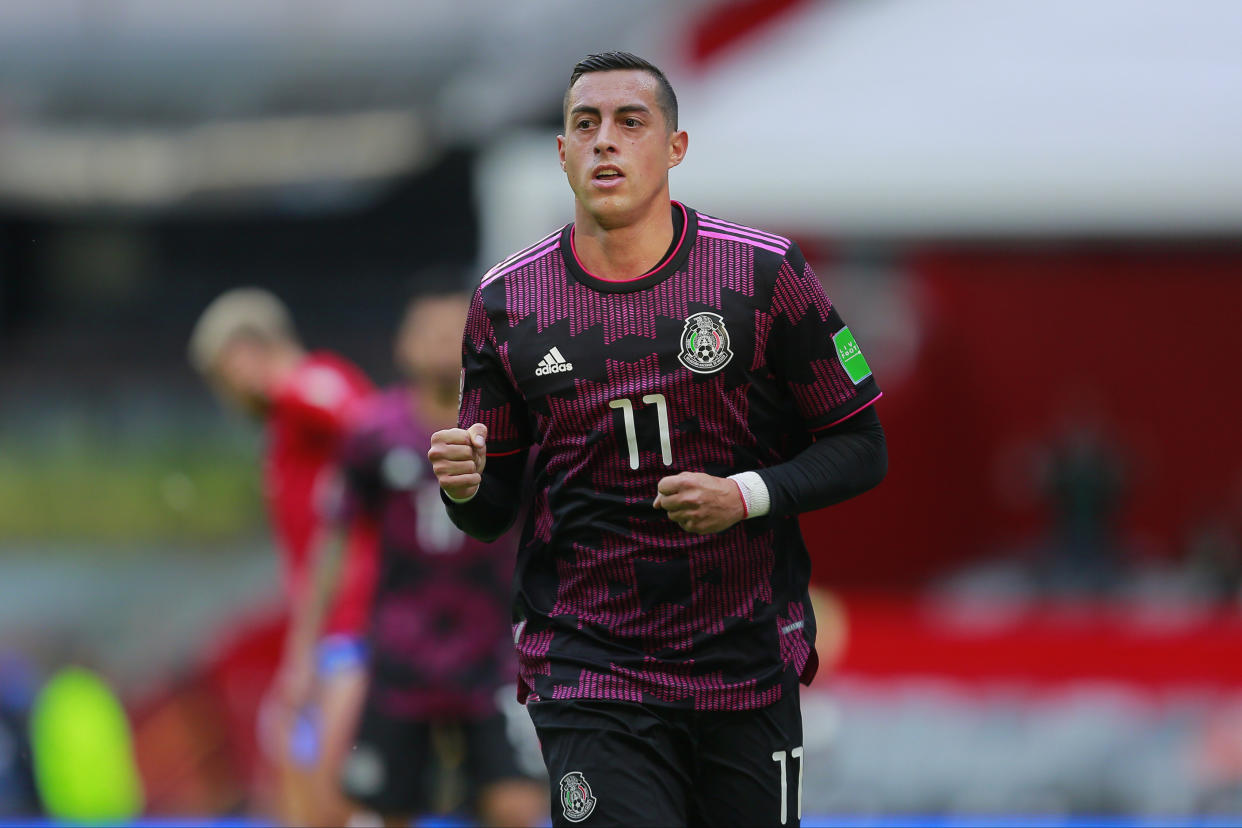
{"x":779,"y":757}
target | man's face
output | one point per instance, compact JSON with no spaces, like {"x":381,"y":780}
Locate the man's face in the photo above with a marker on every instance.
{"x":428,"y":348}
{"x":240,"y":375}
{"x":617,"y":149}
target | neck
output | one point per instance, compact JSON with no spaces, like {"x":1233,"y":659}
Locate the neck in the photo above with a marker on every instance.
{"x":285,"y":360}
{"x":626,"y":251}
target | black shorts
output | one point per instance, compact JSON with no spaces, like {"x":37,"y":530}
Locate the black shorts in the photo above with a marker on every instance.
{"x":629,"y":764}
{"x":401,"y":766}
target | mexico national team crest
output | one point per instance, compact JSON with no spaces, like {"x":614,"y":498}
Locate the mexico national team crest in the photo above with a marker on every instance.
{"x":705,"y":343}
{"x":577,"y":800}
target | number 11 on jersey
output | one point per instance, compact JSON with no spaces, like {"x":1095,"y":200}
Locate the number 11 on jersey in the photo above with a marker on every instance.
{"x":779,"y":757}
{"x":631,"y":433}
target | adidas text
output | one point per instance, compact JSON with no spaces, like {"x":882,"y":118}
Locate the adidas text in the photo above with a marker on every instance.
{"x":554,"y":368}
{"x":553,"y":362}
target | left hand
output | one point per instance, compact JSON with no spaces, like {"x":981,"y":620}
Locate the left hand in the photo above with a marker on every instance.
{"x":700,"y":503}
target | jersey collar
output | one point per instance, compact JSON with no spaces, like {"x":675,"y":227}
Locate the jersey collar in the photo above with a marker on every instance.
{"x":673,"y":261}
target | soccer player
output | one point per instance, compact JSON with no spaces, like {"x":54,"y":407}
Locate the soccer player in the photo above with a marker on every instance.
{"x":439,"y":641}
{"x":690,"y":389}
{"x":245,"y":345}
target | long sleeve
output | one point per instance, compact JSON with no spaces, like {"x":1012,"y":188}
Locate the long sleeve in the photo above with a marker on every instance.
{"x":845,"y":460}
{"x":495,"y":506}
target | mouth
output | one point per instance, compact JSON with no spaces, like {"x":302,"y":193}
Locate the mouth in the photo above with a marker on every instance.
{"x":607,"y":174}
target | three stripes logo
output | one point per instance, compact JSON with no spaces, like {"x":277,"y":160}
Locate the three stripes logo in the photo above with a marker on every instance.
{"x":553,"y":363}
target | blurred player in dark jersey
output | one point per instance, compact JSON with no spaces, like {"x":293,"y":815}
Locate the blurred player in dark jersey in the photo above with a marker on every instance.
{"x":245,"y":345}
{"x":440,"y":641}
{"x":690,"y":389}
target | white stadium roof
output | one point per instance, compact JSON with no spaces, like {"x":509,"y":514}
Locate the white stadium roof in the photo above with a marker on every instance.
{"x":954,"y":117}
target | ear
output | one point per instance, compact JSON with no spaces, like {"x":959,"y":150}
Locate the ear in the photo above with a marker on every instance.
{"x":678,"y":143}
{"x":560,"y":149}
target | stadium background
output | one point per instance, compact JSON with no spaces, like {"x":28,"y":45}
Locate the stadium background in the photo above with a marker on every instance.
{"x":1030,"y":213}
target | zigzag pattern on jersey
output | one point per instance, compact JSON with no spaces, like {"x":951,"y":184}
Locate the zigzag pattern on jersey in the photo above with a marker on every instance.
{"x":795,"y":293}
{"x":441,"y":635}
{"x":730,"y":572}
{"x":501,"y":424}
{"x":830,"y":388}
{"x":795,"y":651}
{"x":601,"y":587}
{"x":532,"y":651}
{"x":542,"y":515}
{"x":436,"y":618}
{"x":544,"y":288}
{"x":605,"y":579}
{"x":482,"y":338}
{"x":763,"y":330}
{"x":721,"y":413}
{"x":794,"y":298}
{"x":628,"y":684}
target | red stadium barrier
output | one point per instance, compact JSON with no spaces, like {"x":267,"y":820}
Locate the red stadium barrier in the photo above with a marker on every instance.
{"x":1042,"y":643}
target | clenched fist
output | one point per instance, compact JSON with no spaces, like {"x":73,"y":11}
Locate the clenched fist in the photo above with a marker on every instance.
{"x":457,"y":457}
{"x":699,"y":502}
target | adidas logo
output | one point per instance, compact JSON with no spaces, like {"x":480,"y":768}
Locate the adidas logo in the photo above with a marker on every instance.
{"x":553,"y":363}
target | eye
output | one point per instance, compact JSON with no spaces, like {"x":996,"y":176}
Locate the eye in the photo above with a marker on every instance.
{"x":583,"y":124}
{"x":631,"y":122}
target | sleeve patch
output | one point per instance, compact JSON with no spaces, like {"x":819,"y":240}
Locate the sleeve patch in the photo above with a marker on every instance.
{"x":852,"y":359}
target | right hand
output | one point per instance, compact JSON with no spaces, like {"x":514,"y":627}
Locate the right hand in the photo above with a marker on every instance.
{"x":292,"y":689}
{"x":295,"y":680}
{"x":457,"y":457}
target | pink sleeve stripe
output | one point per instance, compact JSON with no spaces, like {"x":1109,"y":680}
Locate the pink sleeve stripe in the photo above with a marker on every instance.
{"x":514,"y":257}
{"x":741,"y":239}
{"x":742,"y":233}
{"x":732,"y":225}
{"x":543,"y":251}
{"x":851,"y":414}
{"x":504,"y":453}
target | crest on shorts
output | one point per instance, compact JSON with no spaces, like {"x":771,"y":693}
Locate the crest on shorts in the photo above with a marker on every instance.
{"x":577,"y":799}
{"x":705,"y":343}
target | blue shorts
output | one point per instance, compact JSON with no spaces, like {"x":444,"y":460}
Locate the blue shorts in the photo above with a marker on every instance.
{"x":340,"y":652}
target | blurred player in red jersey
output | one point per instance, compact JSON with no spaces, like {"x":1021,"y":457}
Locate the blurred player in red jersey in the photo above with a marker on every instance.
{"x":246,"y":347}
{"x":440,"y":642}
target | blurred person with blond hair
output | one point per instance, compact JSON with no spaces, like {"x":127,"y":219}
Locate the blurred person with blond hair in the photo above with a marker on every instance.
{"x":246,"y":347}
{"x":431,"y":736}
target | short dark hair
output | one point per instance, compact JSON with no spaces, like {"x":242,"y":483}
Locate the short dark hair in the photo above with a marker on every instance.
{"x":666,"y":99}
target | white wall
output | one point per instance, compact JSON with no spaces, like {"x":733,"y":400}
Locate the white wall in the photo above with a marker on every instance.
{"x":955,"y":117}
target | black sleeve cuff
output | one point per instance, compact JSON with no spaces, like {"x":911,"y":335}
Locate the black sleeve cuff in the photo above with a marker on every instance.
{"x":846,"y":459}
{"x":495,"y":506}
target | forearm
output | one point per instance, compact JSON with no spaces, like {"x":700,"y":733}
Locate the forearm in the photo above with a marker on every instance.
{"x":311,"y":607}
{"x":845,"y":461}
{"x":491,"y":511}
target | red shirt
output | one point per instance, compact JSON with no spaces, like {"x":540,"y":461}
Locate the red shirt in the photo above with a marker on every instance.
{"x":310,"y":413}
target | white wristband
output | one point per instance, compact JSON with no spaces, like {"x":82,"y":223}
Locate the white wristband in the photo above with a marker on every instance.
{"x":460,"y":499}
{"x":754,"y":493}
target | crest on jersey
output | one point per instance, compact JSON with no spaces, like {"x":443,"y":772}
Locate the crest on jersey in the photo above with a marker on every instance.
{"x":577,"y":799}
{"x":705,"y":343}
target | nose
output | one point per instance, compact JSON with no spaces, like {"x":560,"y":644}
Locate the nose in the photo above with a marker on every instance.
{"x":603,"y":139}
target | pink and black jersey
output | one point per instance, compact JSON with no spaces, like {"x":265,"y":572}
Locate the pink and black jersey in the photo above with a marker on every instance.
{"x":440,"y":634}
{"x":725,"y":358}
